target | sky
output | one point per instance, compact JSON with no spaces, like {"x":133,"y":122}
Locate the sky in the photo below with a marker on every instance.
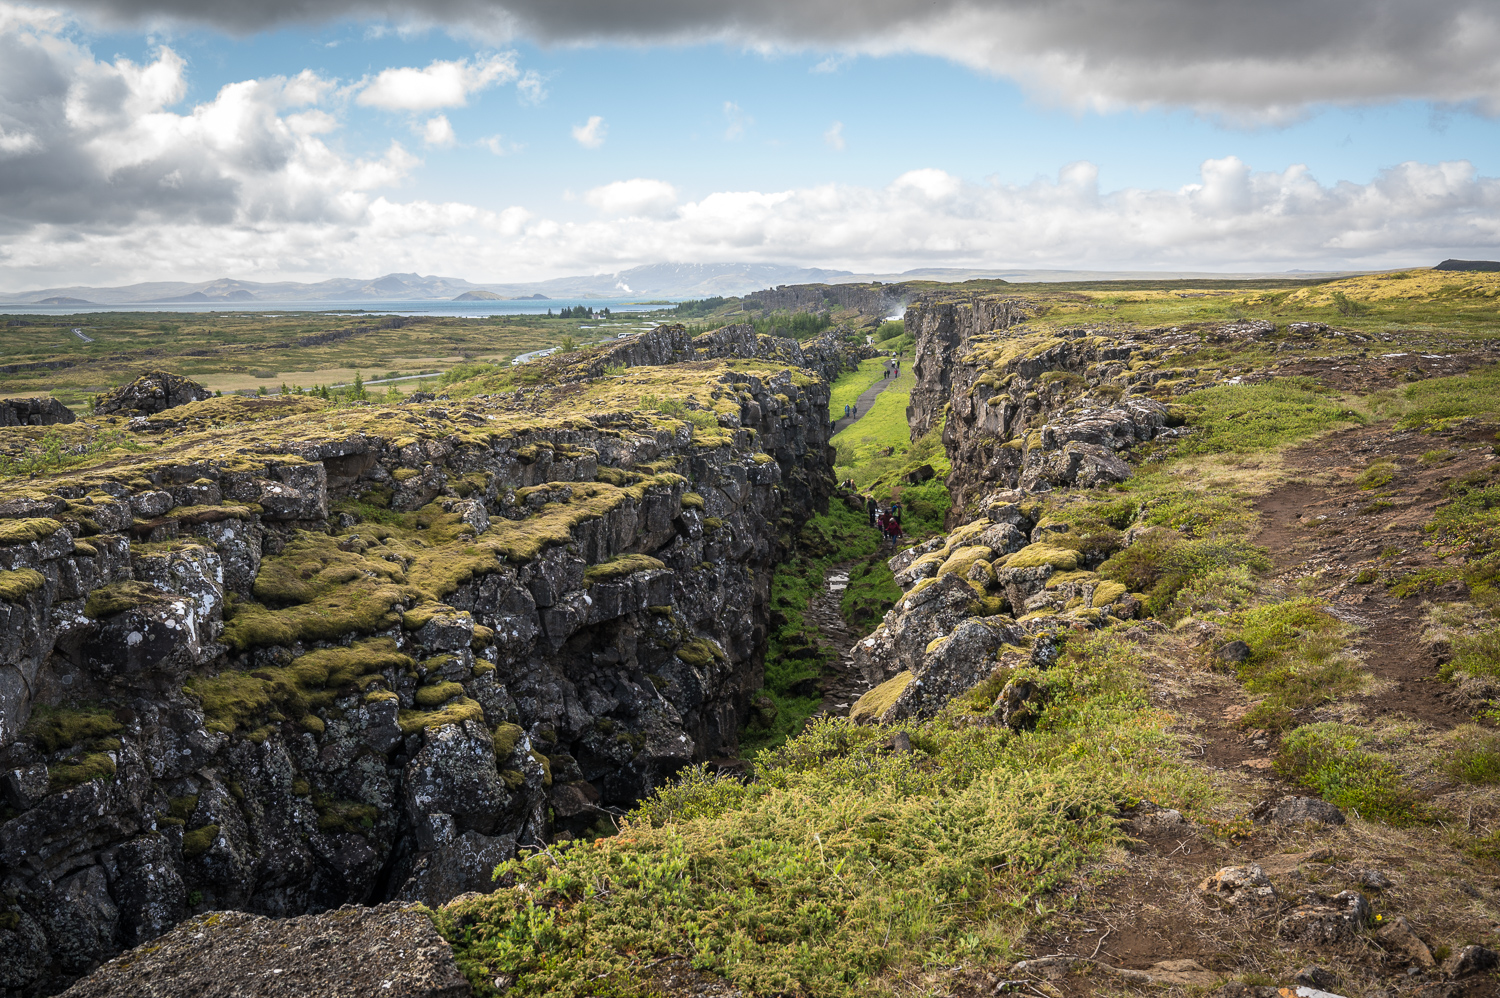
{"x":517,"y":140}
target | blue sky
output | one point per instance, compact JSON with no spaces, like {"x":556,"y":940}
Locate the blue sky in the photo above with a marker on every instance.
{"x":877,"y":155}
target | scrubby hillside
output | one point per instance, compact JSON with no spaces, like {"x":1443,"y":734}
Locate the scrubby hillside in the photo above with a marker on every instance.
{"x":1195,"y":693}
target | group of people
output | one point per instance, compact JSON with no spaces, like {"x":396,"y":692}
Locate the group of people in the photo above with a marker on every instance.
{"x":887,"y":521}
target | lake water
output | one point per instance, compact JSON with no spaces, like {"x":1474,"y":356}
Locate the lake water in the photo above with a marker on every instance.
{"x":456,"y":309}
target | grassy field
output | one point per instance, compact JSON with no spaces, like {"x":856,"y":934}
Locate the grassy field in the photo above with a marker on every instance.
{"x":850,"y":385}
{"x":237,"y":351}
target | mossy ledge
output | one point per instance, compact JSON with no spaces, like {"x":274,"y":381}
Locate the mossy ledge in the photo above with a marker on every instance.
{"x":281,"y":638}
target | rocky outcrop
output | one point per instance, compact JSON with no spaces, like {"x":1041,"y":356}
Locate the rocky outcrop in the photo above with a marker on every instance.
{"x":349,"y":953}
{"x":299,"y":656}
{"x":872,"y":299}
{"x":150,"y":393}
{"x":34,"y":412}
{"x":826,"y":353}
{"x":1038,"y":410}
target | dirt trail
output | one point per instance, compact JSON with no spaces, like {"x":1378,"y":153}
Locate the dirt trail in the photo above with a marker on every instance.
{"x":840,"y":686}
{"x":1324,"y":531}
{"x":863,"y":403}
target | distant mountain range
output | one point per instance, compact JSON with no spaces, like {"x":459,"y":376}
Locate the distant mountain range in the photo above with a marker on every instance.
{"x":657,"y":280}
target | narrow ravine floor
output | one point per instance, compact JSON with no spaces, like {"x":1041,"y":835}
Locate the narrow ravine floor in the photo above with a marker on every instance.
{"x":841,"y":686}
{"x":863,"y":403}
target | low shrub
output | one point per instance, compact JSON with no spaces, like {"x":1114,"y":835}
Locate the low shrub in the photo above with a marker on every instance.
{"x":1333,"y":760}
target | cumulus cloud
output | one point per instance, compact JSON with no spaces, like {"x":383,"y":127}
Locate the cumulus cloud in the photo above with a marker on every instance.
{"x":441,"y":84}
{"x":1262,"y":60}
{"x":590,"y":134}
{"x":634,"y":197}
{"x":530,"y":88}
{"x":106,"y":177}
{"x":438,"y":132}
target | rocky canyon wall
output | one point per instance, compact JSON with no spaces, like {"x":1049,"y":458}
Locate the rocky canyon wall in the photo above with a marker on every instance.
{"x":293,"y":654}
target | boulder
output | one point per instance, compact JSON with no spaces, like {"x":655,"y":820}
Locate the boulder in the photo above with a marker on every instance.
{"x":1339,"y":919}
{"x":1298,"y":811}
{"x":1471,"y":960}
{"x":351,"y":952}
{"x":149,"y":394}
{"x":34,"y":412}
{"x":1240,"y":884}
{"x":461,"y":865}
{"x":1397,"y":934}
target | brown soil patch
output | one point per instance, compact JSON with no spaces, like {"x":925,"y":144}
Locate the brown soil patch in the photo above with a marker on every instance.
{"x":1330,"y":530}
{"x":1382,"y":370}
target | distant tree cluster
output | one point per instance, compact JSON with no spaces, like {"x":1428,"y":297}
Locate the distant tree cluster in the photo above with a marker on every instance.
{"x":580,"y":312}
{"x":697,"y":306}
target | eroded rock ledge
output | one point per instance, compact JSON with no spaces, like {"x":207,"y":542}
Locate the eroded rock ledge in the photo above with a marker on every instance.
{"x":297,"y":655}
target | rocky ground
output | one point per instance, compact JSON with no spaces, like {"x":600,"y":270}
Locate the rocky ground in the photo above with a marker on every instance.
{"x":1195,"y":695}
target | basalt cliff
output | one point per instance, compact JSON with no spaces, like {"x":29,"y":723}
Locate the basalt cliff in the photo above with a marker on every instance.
{"x":290,"y":654}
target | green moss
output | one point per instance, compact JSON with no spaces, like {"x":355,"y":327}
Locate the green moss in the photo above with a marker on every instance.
{"x":199,"y":841}
{"x":506,"y":738}
{"x":27,"y":530}
{"x":692,"y":500}
{"x":963,"y":559}
{"x":235,"y":699}
{"x":312,"y":722}
{"x":437,"y":694}
{"x":514,"y":779}
{"x":700,"y":652}
{"x":881,"y":698}
{"x":620,"y":566}
{"x":454,"y":712}
{"x":343,"y":815}
{"x":1107,"y":592}
{"x":82,"y":769}
{"x":117,"y":597}
{"x":405,"y":474}
{"x":182,"y":808}
{"x":481,"y":669}
{"x":546,"y":765}
{"x":1037,"y":555}
{"x":17,"y":585}
{"x":1377,"y":475}
{"x":53,"y":729}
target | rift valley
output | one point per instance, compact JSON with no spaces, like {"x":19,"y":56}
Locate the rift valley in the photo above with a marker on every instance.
{"x":589,"y":675}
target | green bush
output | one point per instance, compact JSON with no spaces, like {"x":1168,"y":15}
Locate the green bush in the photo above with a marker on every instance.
{"x":1475,"y":755}
{"x":1333,"y":760}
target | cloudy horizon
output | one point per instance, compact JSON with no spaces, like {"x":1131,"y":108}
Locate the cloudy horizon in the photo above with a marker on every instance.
{"x":504,"y":142}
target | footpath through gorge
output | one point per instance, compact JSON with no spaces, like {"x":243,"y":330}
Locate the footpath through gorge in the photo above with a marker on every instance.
{"x":1190,"y":690}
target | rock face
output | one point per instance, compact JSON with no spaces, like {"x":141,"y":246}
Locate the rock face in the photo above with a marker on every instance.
{"x":297,"y":657}
{"x":1039,"y":411}
{"x":348,"y":953}
{"x":151,"y":393}
{"x":34,"y":412}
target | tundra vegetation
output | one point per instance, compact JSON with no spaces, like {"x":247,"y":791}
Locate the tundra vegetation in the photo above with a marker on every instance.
{"x":849,"y":866}
{"x":1290,"y":590}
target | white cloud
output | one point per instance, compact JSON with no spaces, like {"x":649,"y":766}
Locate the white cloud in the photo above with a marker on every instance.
{"x":441,"y":84}
{"x":497,"y":145}
{"x":438,"y":132}
{"x":1263,"y":61}
{"x":738,"y":121}
{"x":590,"y":134}
{"x":530,"y":88}
{"x":634,"y":197}
{"x":835,"y":136}
{"x":107,"y":178}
